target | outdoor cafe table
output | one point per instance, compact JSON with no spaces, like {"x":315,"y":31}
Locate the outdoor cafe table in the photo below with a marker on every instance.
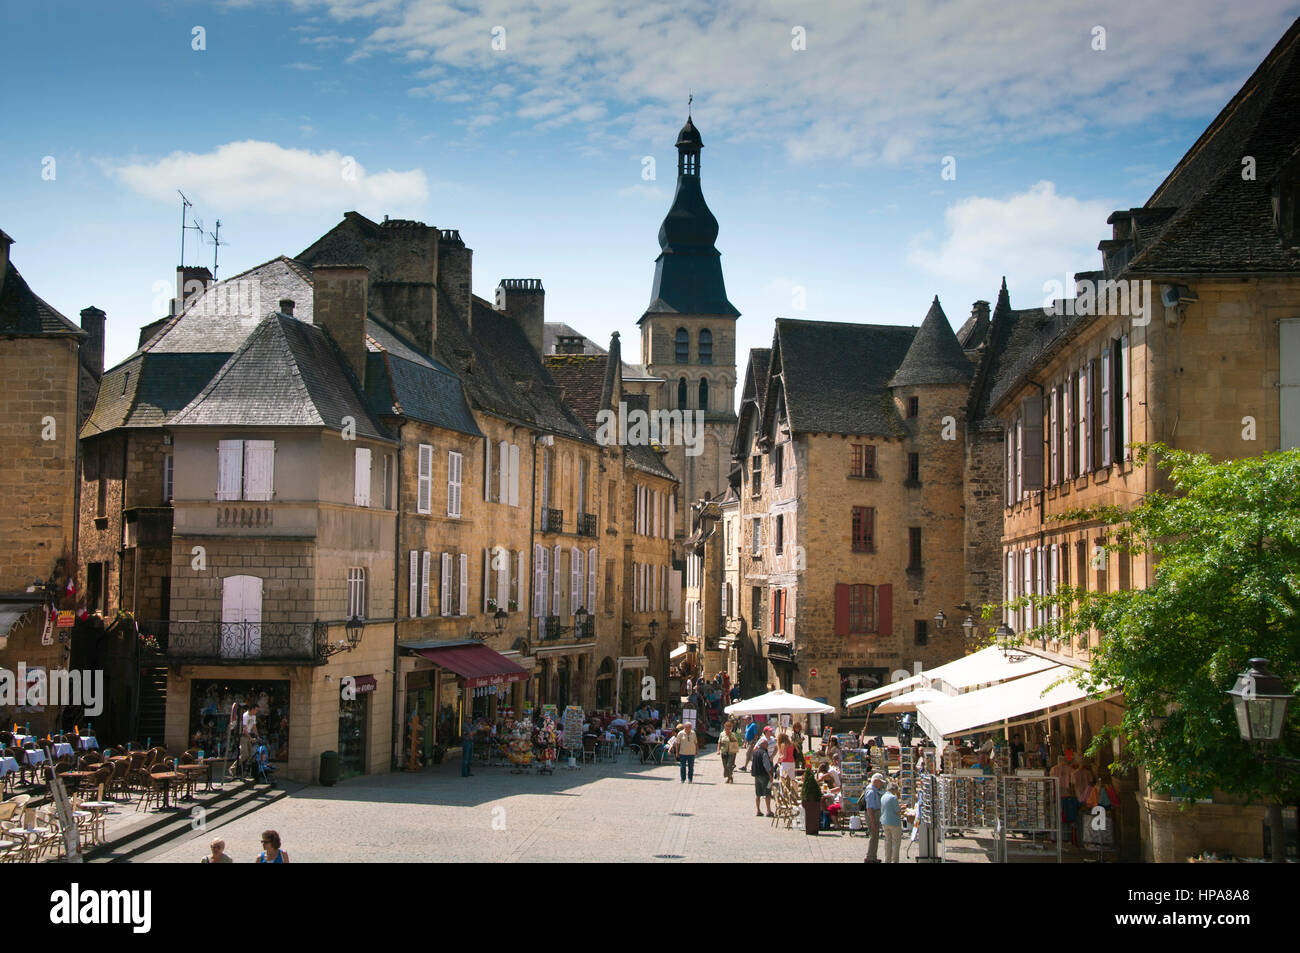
{"x":7,"y":764}
{"x":61,"y":748}
{"x":34,"y":756}
{"x":88,"y":744}
{"x":77,"y":776}
{"x":168,"y":778}
{"x":191,"y":773}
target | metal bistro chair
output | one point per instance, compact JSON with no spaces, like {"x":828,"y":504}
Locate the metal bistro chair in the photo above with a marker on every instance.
{"x":589,"y":749}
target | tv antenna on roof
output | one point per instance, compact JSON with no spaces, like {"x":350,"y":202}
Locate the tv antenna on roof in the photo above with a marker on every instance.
{"x":216,"y":247}
{"x":197,"y":226}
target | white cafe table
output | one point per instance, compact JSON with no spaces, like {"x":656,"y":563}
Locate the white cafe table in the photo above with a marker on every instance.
{"x":7,"y":764}
{"x":61,"y":748}
{"x":34,"y":755}
{"x":89,"y":744}
{"x":19,"y":739}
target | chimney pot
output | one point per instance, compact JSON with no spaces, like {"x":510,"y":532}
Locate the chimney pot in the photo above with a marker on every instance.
{"x":286,"y":306}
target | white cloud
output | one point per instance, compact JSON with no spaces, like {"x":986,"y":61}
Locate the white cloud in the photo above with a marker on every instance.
{"x":301,"y":66}
{"x":268,"y":177}
{"x":878,"y":83}
{"x":1038,"y":233}
{"x":651,"y":193}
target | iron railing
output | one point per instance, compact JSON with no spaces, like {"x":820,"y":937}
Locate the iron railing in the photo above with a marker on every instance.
{"x":587,"y":524}
{"x":237,"y":642}
{"x":552,"y":520}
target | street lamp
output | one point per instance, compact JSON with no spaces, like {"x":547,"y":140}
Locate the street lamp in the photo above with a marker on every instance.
{"x":580,"y":622}
{"x":499,"y":620}
{"x":940,"y":619}
{"x":1260,"y":700}
{"x":353,"y":629}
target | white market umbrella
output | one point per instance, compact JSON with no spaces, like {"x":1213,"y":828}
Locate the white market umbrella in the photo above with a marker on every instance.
{"x":909,"y":701}
{"x":779,"y":703}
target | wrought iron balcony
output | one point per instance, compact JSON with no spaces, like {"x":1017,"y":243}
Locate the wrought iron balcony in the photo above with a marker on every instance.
{"x":552,"y":520}
{"x":586,"y":524}
{"x":549,"y":629}
{"x":778,"y":648}
{"x":239,"y":643}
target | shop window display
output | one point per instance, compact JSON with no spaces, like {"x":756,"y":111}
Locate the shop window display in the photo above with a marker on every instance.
{"x":210,"y":704}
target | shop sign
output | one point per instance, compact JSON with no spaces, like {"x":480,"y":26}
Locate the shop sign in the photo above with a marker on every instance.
{"x":66,"y":618}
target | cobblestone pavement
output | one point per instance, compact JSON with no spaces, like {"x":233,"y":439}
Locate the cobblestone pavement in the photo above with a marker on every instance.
{"x":603,"y":812}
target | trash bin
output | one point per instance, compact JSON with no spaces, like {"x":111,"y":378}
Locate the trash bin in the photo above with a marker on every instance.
{"x":329,"y":768}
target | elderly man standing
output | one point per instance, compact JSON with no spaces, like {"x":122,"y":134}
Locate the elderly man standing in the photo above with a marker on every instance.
{"x":762,"y":773}
{"x":871,"y":807}
{"x":687,"y":746}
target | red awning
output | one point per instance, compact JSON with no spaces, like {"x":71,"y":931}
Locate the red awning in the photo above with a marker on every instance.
{"x":364,"y":683}
{"x":477,"y":664}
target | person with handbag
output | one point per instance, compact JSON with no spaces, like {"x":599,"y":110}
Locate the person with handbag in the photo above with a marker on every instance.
{"x":728,"y":746}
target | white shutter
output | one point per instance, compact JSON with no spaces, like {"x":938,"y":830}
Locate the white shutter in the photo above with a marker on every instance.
{"x":454,"y":468}
{"x":546,"y":478}
{"x":503,"y":580}
{"x":487,"y":579}
{"x":230,"y":469}
{"x":259,"y":469}
{"x":424,"y":501}
{"x":361,"y":478}
{"x":557,"y":580}
{"x":444,"y":585}
{"x":425,"y":566}
{"x":575,"y":579}
{"x":1055,"y":579}
{"x":462,"y":570}
{"x":518,"y":588}
{"x":487,"y":470}
{"x":1107,"y":408}
{"x":514,"y":474}
{"x":503,"y":472}
{"x":413,"y":597}
{"x":1041,"y":552}
{"x":591,"y":580}
{"x":539,"y":581}
{"x":672,"y":515}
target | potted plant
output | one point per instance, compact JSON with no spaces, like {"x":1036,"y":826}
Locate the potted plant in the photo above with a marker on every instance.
{"x":812,"y":802}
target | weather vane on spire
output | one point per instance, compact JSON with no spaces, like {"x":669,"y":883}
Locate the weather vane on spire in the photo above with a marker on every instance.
{"x":690,"y":98}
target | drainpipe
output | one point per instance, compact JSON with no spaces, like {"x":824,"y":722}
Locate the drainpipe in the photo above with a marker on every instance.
{"x":532,"y":545}
{"x":1042,"y":490}
{"x":398,"y":719}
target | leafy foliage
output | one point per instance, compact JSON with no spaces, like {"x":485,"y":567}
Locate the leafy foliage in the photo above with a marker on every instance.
{"x":1225,"y":542}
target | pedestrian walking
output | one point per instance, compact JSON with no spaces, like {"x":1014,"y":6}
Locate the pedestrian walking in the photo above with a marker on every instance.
{"x":728,"y":746}
{"x":891,"y":822}
{"x":871,"y":807}
{"x":763,"y":774}
{"x":271,"y":852}
{"x":467,"y":747}
{"x":687,"y":746}
{"x":218,"y":853}
{"x":751,"y":738}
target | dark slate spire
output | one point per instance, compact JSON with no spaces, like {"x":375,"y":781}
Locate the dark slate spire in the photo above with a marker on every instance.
{"x":935,"y":357}
{"x":1004,"y":299}
{"x":688,"y":271}
{"x":608,"y":398}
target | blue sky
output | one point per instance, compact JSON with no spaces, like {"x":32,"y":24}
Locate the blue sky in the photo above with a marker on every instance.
{"x":823,"y":163}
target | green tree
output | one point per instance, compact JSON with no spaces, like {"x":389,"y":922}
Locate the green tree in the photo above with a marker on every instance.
{"x":1225,"y":539}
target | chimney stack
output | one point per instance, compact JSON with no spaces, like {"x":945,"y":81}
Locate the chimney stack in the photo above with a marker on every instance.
{"x":286,"y":306}
{"x":340,"y":309}
{"x":92,"y":349}
{"x":191,"y":281}
{"x":453,"y":276}
{"x":524,"y":299}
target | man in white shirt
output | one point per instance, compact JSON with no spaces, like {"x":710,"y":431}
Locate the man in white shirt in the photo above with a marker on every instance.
{"x":248,"y":733}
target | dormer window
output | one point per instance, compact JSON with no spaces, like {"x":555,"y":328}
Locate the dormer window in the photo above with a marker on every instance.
{"x":1284,"y":207}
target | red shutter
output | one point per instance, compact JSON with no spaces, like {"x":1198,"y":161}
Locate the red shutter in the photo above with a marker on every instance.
{"x":885,"y":609}
{"x":841,"y":609}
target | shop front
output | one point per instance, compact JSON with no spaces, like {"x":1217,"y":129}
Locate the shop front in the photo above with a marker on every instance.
{"x":354,"y":721}
{"x":212,"y":700}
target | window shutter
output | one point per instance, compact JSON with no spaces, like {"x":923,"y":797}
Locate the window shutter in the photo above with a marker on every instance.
{"x":1032,"y":424}
{"x":1053,"y":439}
{"x":1010,"y":438}
{"x":487,"y":579}
{"x":487,"y":470}
{"x":517,"y":589}
{"x":575,"y":580}
{"x":539,"y":581}
{"x":557,"y":581}
{"x":230,"y":469}
{"x":361,"y":478}
{"x":259,"y":469}
{"x":1124,"y":428}
{"x":454,"y":467}
{"x":591,"y":580}
{"x":425,"y":566}
{"x":503,"y":472}
{"x":1089,"y":417}
{"x":841,"y":609}
{"x":444,"y":585}
{"x":1067,"y":429}
{"x":514,"y":474}
{"x":1041,"y":554}
{"x":424,"y":500}
{"x":885,"y":609}
{"x":1106,"y":408}
{"x":672,"y":515}
{"x":462,"y":572}
{"x":413,"y":595}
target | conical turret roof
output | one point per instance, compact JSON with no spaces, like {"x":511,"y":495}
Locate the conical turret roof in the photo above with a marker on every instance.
{"x":935,"y":357}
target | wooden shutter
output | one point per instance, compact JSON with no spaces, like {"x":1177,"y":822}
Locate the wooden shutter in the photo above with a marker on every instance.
{"x":1124,"y":426}
{"x":503,"y":580}
{"x":1067,"y":428}
{"x":539,"y":581}
{"x":425,"y":567}
{"x":259,"y":469}
{"x":413,"y":596}
{"x":424,"y":500}
{"x":514,"y":474}
{"x":361,"y":477}
{"x":462,"y":573}
{"x":455,"y":463}
{"x":517,"y":588}
{"x":487,"y":579}
{"x":841,"y":609}
{"x":444,"y":585}
{"x":591,"y":580}
{"x":1089,"y":417}
{"x":1031,"y":409}
{"x":1054,"y":438}
{"x":503,"y":472}
{"x":575,"y":579}
{"x":230,"y":469}
{"x":488,"y":482}
{"x":885,"y":609}
{"x":1010,"y":464}
{"x":557,"y":581}
{"x":1106,"y":443}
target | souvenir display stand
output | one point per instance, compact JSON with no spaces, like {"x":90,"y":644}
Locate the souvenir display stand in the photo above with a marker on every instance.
{"x":519,"y":747}
{"x":993,"y":804}
{"x":852,"y":778}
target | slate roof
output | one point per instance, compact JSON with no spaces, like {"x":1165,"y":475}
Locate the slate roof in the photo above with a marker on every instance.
{"x":286,"y":374}
{"x":934,"y":357}
{"x":552,"y":331}
{"x":502,"y":373}
{"x":147,"y":390}
{"x":402,"y":380}
{"x":23,"y":312}
{"x":836,"y":375}
{"x":752,"y":393}
{"x":1225,"y":223}
{"x":975,"y":330}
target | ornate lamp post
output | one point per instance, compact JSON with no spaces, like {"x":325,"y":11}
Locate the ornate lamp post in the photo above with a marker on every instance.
{"x":1260,"y":701}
